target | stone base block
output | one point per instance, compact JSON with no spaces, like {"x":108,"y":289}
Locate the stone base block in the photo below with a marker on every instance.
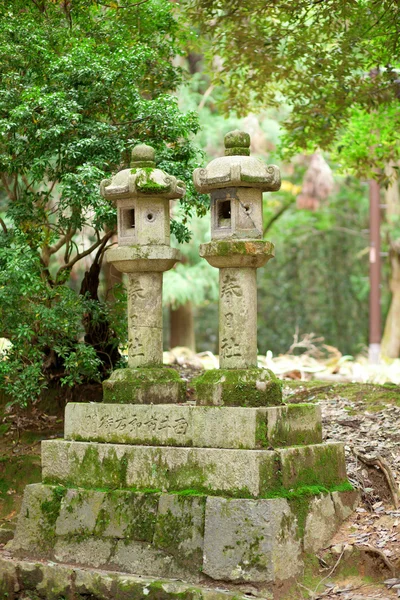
{"x":238,"y":387}
{"x":178,"y":535}
{"x":59,"y":581}
{"x":228,"y":472}
{"x":144,"y":386}
{"x":199,"y":426}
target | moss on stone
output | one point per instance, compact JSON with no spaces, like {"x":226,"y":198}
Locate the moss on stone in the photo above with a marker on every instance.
{"x":51,"y":508}
{"x":238,"y":387}
{"x":285,"y":430}
{"x":149,"y":385}
{"x":233,"y":247}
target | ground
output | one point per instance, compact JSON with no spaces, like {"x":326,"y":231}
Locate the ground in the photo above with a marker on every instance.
{"x":366,"y":550}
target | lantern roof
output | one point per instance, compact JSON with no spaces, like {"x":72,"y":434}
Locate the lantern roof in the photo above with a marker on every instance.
{"x":143,"y":179}
{"x":237,"y":168}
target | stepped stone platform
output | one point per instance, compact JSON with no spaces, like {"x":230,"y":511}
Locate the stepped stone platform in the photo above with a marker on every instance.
{"x":183,"y":507}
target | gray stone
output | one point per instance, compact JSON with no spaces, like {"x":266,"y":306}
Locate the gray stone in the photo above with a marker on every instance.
{"x":180,"y":528}
{"x":239,"y":473}
{"x":248,"y":540}
{"x":158,"y":385}
{"x":320,"y":523}
{"x":51,"y":581}
{"x":95,"y":552}
{"x":345,"y":503}
{"x":142,"y":259}
{"x":197,"y":426}
{"x":238,"y":387}
{"x":138,"y":557}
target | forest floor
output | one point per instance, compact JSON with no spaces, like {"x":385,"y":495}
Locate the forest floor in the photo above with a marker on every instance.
{"x":365,"y":552}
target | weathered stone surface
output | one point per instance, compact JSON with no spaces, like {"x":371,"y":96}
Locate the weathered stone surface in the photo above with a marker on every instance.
{"x":36,"y":522}
{"x":322,"y":464}
{"x":176,"y":535}
{"x":238,"y":387}
{"x":237,"y":318}
{"x":142,"y":259}
{"x":251,"y":540}
{"x":137,"y":557}
{"x":321,"y":523}
{"x":144,"y":386}
{"x":55,"y":581}
{"x":180,"y":528}
{"x":237,"y":253}
{"x":345,"y":503}
{"x":237,"y":169}
{"x":237,"y":473}
{"x":199,"y":426}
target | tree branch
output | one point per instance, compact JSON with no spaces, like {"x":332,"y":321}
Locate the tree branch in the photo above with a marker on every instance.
{"x":3,"y":225}
{"x":276,"y":216}
{"x":81,"y":255}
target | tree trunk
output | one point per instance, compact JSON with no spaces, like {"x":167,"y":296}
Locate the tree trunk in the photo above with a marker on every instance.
{"x":182,"y":327}
{"x":391,"y":337}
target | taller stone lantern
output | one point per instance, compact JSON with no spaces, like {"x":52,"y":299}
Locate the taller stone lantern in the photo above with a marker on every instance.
{"x":236,"y":183}
{"x":142,"y":195}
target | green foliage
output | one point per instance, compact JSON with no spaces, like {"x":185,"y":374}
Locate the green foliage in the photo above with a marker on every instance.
{"x":323,"y":59}
{"x":193,"y":280}
{"x":41,"y":321}
{"x":81,"y":83}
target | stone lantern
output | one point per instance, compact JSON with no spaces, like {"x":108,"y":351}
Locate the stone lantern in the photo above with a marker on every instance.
{"x":142,"y":194}
{"x":236,"y":183}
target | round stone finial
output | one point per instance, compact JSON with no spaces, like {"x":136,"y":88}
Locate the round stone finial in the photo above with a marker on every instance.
{"x":143,"y":156}
{"x":237,"y":143}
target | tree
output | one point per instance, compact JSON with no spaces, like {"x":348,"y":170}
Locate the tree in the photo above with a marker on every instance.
{"x":81,"y":83}
{"x":324,"y":58}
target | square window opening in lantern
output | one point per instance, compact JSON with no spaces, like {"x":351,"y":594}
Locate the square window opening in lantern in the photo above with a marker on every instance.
{"x":224,"y":213}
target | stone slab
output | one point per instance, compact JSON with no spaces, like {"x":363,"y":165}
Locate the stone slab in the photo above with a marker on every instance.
{"x":158,"y":385}
{"x":177,"y":535}
{"x":246,"y":387}
{"x":54,"y":581}
{"x":215,"y":471}
{"x":199,"y":426}
{"x":256,"y":540}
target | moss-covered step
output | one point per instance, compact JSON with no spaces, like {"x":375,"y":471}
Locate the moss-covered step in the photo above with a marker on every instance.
{"x":179,"y":535}
{"x":227,"y":472}
{"x":59,"y":581}
{"x":157,"y":385}
{"x":199,"y":426}
{"x":238,"y":387}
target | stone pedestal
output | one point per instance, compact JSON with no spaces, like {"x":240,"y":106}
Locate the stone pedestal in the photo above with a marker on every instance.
{"x":196,"y":493}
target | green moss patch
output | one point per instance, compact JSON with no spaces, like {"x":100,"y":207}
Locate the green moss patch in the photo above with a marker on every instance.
{"x":238,"y":387}
{"x":148,"y":385}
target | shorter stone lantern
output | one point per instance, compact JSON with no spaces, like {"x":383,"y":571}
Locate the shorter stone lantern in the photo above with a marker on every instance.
{"x":236,"y":183}
{"x":142,"y":194}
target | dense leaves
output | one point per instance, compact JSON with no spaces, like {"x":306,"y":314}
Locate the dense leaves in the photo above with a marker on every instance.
{"x":81,"y":83}
{"x":330,"y":60}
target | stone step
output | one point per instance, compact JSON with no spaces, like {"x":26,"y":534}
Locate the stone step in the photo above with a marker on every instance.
{"x":199,"y":426}
{"x":46,"y":580}
{"x":230,"y":472}
{"x":173,"y":535}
